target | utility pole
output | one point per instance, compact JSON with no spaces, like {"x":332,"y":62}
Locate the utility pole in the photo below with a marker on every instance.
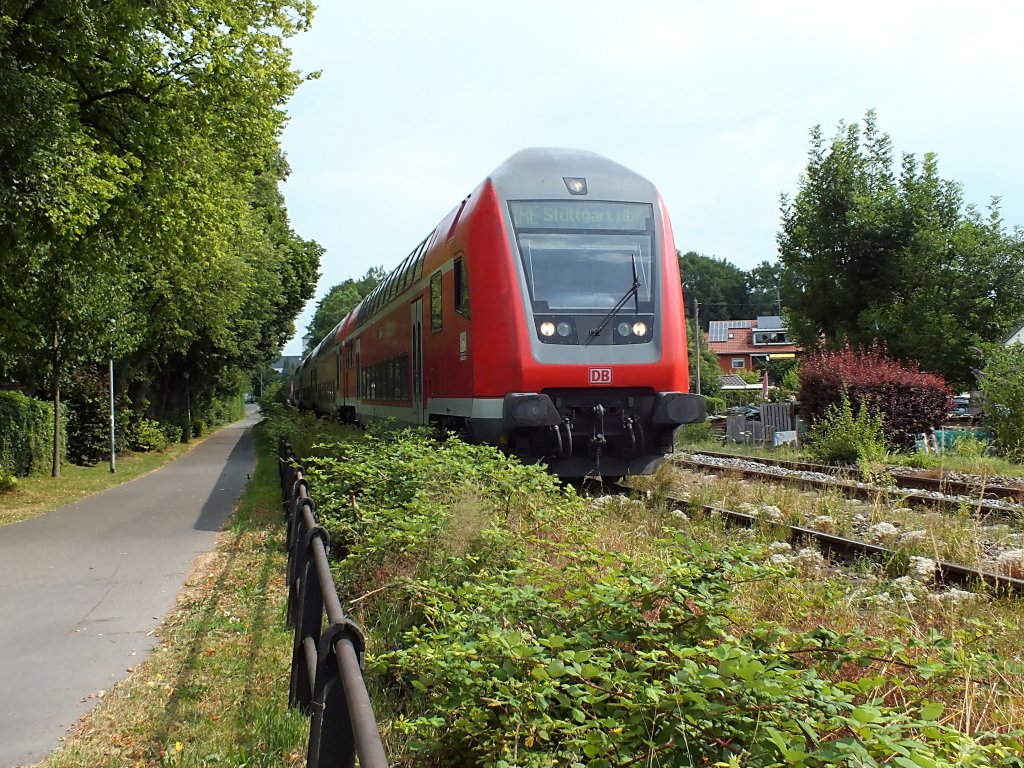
{"x":696,"y":333}
{"x":113,"y":442}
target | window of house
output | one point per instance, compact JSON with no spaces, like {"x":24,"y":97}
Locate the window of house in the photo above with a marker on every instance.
{"x":461,"y":288}
{"x":739,"y":362}
{"x":435,"y":303}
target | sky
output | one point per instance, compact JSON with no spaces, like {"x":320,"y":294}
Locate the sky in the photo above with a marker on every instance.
{"x":713,"y":102}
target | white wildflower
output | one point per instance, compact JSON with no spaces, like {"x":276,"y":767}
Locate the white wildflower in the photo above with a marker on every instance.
{"x":883,"y":533}
{"x":922,"y":569}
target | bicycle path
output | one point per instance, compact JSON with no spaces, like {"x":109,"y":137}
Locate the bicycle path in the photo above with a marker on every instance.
{"x":83,"y":587}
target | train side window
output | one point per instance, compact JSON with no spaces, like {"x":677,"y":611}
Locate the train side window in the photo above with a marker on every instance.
{"x":461,"y":288}
{"x":435,"y":302}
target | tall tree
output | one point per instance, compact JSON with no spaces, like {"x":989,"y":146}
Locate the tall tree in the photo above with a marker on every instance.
{"x":869,"y":253}
{"x":718,"y":285}
{"x":340,"y":300}
{"x":139,"y":162}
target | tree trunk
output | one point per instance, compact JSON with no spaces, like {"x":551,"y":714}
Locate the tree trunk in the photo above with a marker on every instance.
{"x":56,"y":407}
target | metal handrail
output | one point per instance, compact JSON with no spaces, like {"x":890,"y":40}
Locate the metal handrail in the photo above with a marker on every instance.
{"x":326,"y":676}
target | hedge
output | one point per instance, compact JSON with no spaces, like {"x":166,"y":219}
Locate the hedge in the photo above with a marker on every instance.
{"x":26,"y":435}
{"x":909,"y":401}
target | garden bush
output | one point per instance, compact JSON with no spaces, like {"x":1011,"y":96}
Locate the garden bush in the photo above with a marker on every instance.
{"x":147,"y":435}
{"x":26,"y":435}
{"x":714,"y":405}
{"x":908,"y":401}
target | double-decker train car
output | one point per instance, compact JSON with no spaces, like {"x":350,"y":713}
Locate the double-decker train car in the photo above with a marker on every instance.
{"x":544,"y":315}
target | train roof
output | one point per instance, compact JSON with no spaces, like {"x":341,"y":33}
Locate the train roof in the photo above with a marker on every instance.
{"x":542,"y":172}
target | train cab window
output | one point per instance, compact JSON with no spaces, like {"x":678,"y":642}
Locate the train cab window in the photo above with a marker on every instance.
{"x":435,"y":303}
{"x":461,"y":288}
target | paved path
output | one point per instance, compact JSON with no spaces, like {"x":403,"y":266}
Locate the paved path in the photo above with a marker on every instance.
{"x":82,"y":588}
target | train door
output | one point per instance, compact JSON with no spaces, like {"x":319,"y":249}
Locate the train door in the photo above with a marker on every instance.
{"x":417,"y":361}
{"x":359,"y":371}
{"x":337,"y":378}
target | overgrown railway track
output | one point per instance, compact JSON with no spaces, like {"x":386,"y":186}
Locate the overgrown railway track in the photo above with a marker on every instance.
{"x":929,"y":492}
{"x":844,"y":549}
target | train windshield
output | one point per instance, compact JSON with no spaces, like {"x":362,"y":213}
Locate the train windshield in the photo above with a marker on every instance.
{"x":583,"y":255}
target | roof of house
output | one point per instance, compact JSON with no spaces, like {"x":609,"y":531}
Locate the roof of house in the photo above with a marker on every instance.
{"x":734,"y":337}
{"x":732,"y":381}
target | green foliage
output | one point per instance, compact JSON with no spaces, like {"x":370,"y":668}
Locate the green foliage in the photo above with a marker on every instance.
{"x":725,"y":291}
{"x":715,"y":405}
{"x":140,"y":210}
{"x":147,"y":435}
{"x":26,"y":435}
{"x":503,"y":633}
{"x":8,"y":482}
{"x":1002,"y":382}
{"x":710,"y":371}
{"x":874,"y":252}
{"x":340,"y":300}
{"x":838,"y":437}
{"x":88,"y":417}
{"x":699,"y":432}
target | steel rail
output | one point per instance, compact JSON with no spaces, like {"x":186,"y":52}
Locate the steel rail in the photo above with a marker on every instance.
{"x":840,"y":547}
{"x":901,"y":479}
{"x":984,"y":506}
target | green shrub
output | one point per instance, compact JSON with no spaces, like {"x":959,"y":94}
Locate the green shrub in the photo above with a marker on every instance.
{"x":8,"y":482}
{"x":840,"y":438}
{"x":909,"y":402}
{"x":698,"y":432}
{"x":148,"y":435}
{"x":88,"y":404}
{"x":26,"y":435}
{"x":715,"y":405}
{"x":1002,"y":382}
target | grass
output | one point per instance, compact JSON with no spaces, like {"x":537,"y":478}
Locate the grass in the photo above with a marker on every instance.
{"x":34,"y":496}
{"x":806,"y":596}
{"x":215,"y":690}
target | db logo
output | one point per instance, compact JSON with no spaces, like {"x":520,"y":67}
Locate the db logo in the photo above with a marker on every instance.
{"x":600,"y":375}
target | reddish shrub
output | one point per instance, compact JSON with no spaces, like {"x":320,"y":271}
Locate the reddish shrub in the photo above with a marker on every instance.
{"x":910,"y":402}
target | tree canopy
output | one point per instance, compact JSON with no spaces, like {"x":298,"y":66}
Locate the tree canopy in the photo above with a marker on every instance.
{"x":870,"y":252}
{"x":726,"y":292}
{"x":340,"y":300}
{"x":140,"y":216}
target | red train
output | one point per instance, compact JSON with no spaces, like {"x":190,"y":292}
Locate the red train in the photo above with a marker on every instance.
{"x":543,"y":315}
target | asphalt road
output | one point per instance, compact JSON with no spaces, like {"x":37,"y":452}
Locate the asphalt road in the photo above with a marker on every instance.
{"x":82,"y":588}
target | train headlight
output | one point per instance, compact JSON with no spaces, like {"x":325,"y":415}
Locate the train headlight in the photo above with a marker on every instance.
{"x":640,"y":329}
{"x":547,"y":328}
{"x":623,"y":329}
{"x":564,"y":329}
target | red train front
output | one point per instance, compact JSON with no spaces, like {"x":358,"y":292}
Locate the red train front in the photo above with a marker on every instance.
{"x":544,"y":315}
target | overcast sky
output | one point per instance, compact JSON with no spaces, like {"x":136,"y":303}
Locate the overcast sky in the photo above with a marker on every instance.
{"x":711,"y":101}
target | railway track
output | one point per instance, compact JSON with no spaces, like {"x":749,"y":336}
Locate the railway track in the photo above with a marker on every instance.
{"x":951,"y":486}
{"x":817,"y":476}
{"x":846,"y":549}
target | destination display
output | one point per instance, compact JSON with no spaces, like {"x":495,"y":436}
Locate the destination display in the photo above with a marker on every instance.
{"x":579,"y":214}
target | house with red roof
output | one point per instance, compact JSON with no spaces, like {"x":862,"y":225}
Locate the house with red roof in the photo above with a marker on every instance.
{"x":742,"y":344}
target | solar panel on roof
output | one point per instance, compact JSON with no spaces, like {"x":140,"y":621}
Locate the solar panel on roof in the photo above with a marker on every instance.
{"x":718,"y":330}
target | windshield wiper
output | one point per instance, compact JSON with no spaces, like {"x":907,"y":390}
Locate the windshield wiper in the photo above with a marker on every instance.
{"x":633,"y":291}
